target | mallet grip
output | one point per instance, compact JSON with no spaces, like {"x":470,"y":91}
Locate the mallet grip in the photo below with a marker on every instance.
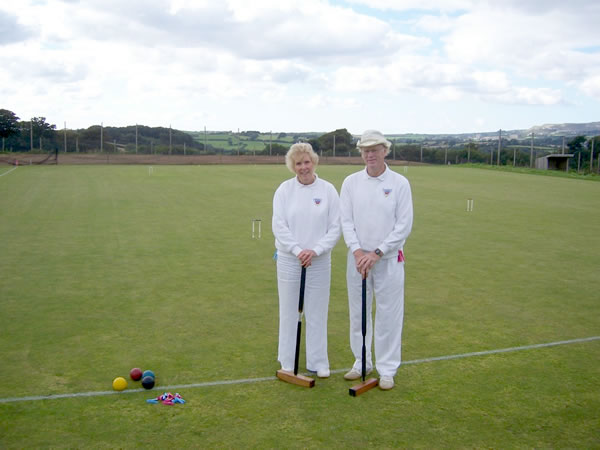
{"x":302,"y":286}
{"x":300,"y":310}
{"x":364,"y":328}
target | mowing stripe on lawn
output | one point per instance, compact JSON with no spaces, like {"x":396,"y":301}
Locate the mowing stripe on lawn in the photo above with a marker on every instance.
{"x":6,"y":173}
{"x":258,"y":380}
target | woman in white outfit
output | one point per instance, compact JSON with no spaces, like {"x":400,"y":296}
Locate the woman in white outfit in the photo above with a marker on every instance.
{"x":306,"y":226}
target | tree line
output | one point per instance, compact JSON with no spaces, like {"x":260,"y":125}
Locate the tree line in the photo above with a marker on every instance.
{"x":40,"y":136}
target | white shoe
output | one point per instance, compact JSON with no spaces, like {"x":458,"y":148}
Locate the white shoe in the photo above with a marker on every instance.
{"x":354,"y":374}
{"x":386,"y":383}
{"x":323,"y":373}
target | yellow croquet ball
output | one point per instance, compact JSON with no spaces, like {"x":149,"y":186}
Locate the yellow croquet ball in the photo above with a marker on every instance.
{"x":119,"y":384}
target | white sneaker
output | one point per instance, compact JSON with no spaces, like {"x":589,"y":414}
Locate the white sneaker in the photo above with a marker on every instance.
{"x":354,"y":374}
{"x":386,"y":383}
{"x":323,"y":373}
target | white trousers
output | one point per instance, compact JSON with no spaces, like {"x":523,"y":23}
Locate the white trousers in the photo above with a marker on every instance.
{"x":316,"y":306}
{"x":386,"y":282}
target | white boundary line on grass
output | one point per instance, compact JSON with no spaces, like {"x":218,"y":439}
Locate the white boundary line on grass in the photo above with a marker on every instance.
{"x":6,"y":173}
{"x":258,"y":380}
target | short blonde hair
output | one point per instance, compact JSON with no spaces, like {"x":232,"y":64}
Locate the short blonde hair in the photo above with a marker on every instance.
{"x":296,"y":151}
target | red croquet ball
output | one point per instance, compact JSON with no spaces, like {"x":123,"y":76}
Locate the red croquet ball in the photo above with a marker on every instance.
{"x":135,"y":374}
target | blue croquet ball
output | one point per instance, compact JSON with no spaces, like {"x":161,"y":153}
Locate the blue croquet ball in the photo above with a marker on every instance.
{"x":148,"y":382}
{"x":148,"y":373}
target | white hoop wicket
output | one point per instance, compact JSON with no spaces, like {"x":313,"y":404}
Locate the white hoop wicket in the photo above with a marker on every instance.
{"x":469,"y":205}
{"x":150,"y":170}
{"x":256,"y":224}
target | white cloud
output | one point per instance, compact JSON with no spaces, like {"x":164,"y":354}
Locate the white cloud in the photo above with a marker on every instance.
{"x":11,"y":30}
{"x":491,"y":82}
{"x":441,"y":82}
{"x":534,"y":45}
{"x":435,"y":24}
{"x":591,"y":87}
{"x":404,"y":5}
{"x":236,"y":60}
{"x":526,"y":96}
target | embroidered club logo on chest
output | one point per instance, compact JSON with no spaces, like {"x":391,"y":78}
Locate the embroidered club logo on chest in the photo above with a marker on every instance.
{"x":317,"y":201}
{"x":387,"y":192}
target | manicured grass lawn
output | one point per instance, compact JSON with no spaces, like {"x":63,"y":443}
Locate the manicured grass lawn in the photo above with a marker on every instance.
{"x":106,"y":268}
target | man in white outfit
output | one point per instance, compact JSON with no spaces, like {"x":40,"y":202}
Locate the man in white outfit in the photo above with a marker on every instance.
{"x":306,"y":228}
{"x":376,"y":214}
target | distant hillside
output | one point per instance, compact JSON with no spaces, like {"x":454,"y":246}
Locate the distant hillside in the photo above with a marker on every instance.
{"x":550,"y":133}
{"x":567,"y":129}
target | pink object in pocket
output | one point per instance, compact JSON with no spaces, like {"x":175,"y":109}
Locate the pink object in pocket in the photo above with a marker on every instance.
{"x":400,"y":256}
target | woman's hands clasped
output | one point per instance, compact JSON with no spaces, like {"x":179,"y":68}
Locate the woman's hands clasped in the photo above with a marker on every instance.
{"x":305,"y":257}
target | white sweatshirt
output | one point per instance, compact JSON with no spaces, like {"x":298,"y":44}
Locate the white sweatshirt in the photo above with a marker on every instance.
{"x":306,"y":216}
{"x":376,"y":212}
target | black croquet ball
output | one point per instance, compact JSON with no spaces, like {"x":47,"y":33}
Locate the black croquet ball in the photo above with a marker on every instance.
{"x":148,"y":382}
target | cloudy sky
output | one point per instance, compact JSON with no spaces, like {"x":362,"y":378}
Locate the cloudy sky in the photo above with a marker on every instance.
{"x":423,"y":66}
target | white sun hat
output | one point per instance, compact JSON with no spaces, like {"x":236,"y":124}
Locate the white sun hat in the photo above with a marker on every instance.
{"x":373,"y":137}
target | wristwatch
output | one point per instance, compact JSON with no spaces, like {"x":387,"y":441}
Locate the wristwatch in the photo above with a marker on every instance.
{"x":379,"y":253}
